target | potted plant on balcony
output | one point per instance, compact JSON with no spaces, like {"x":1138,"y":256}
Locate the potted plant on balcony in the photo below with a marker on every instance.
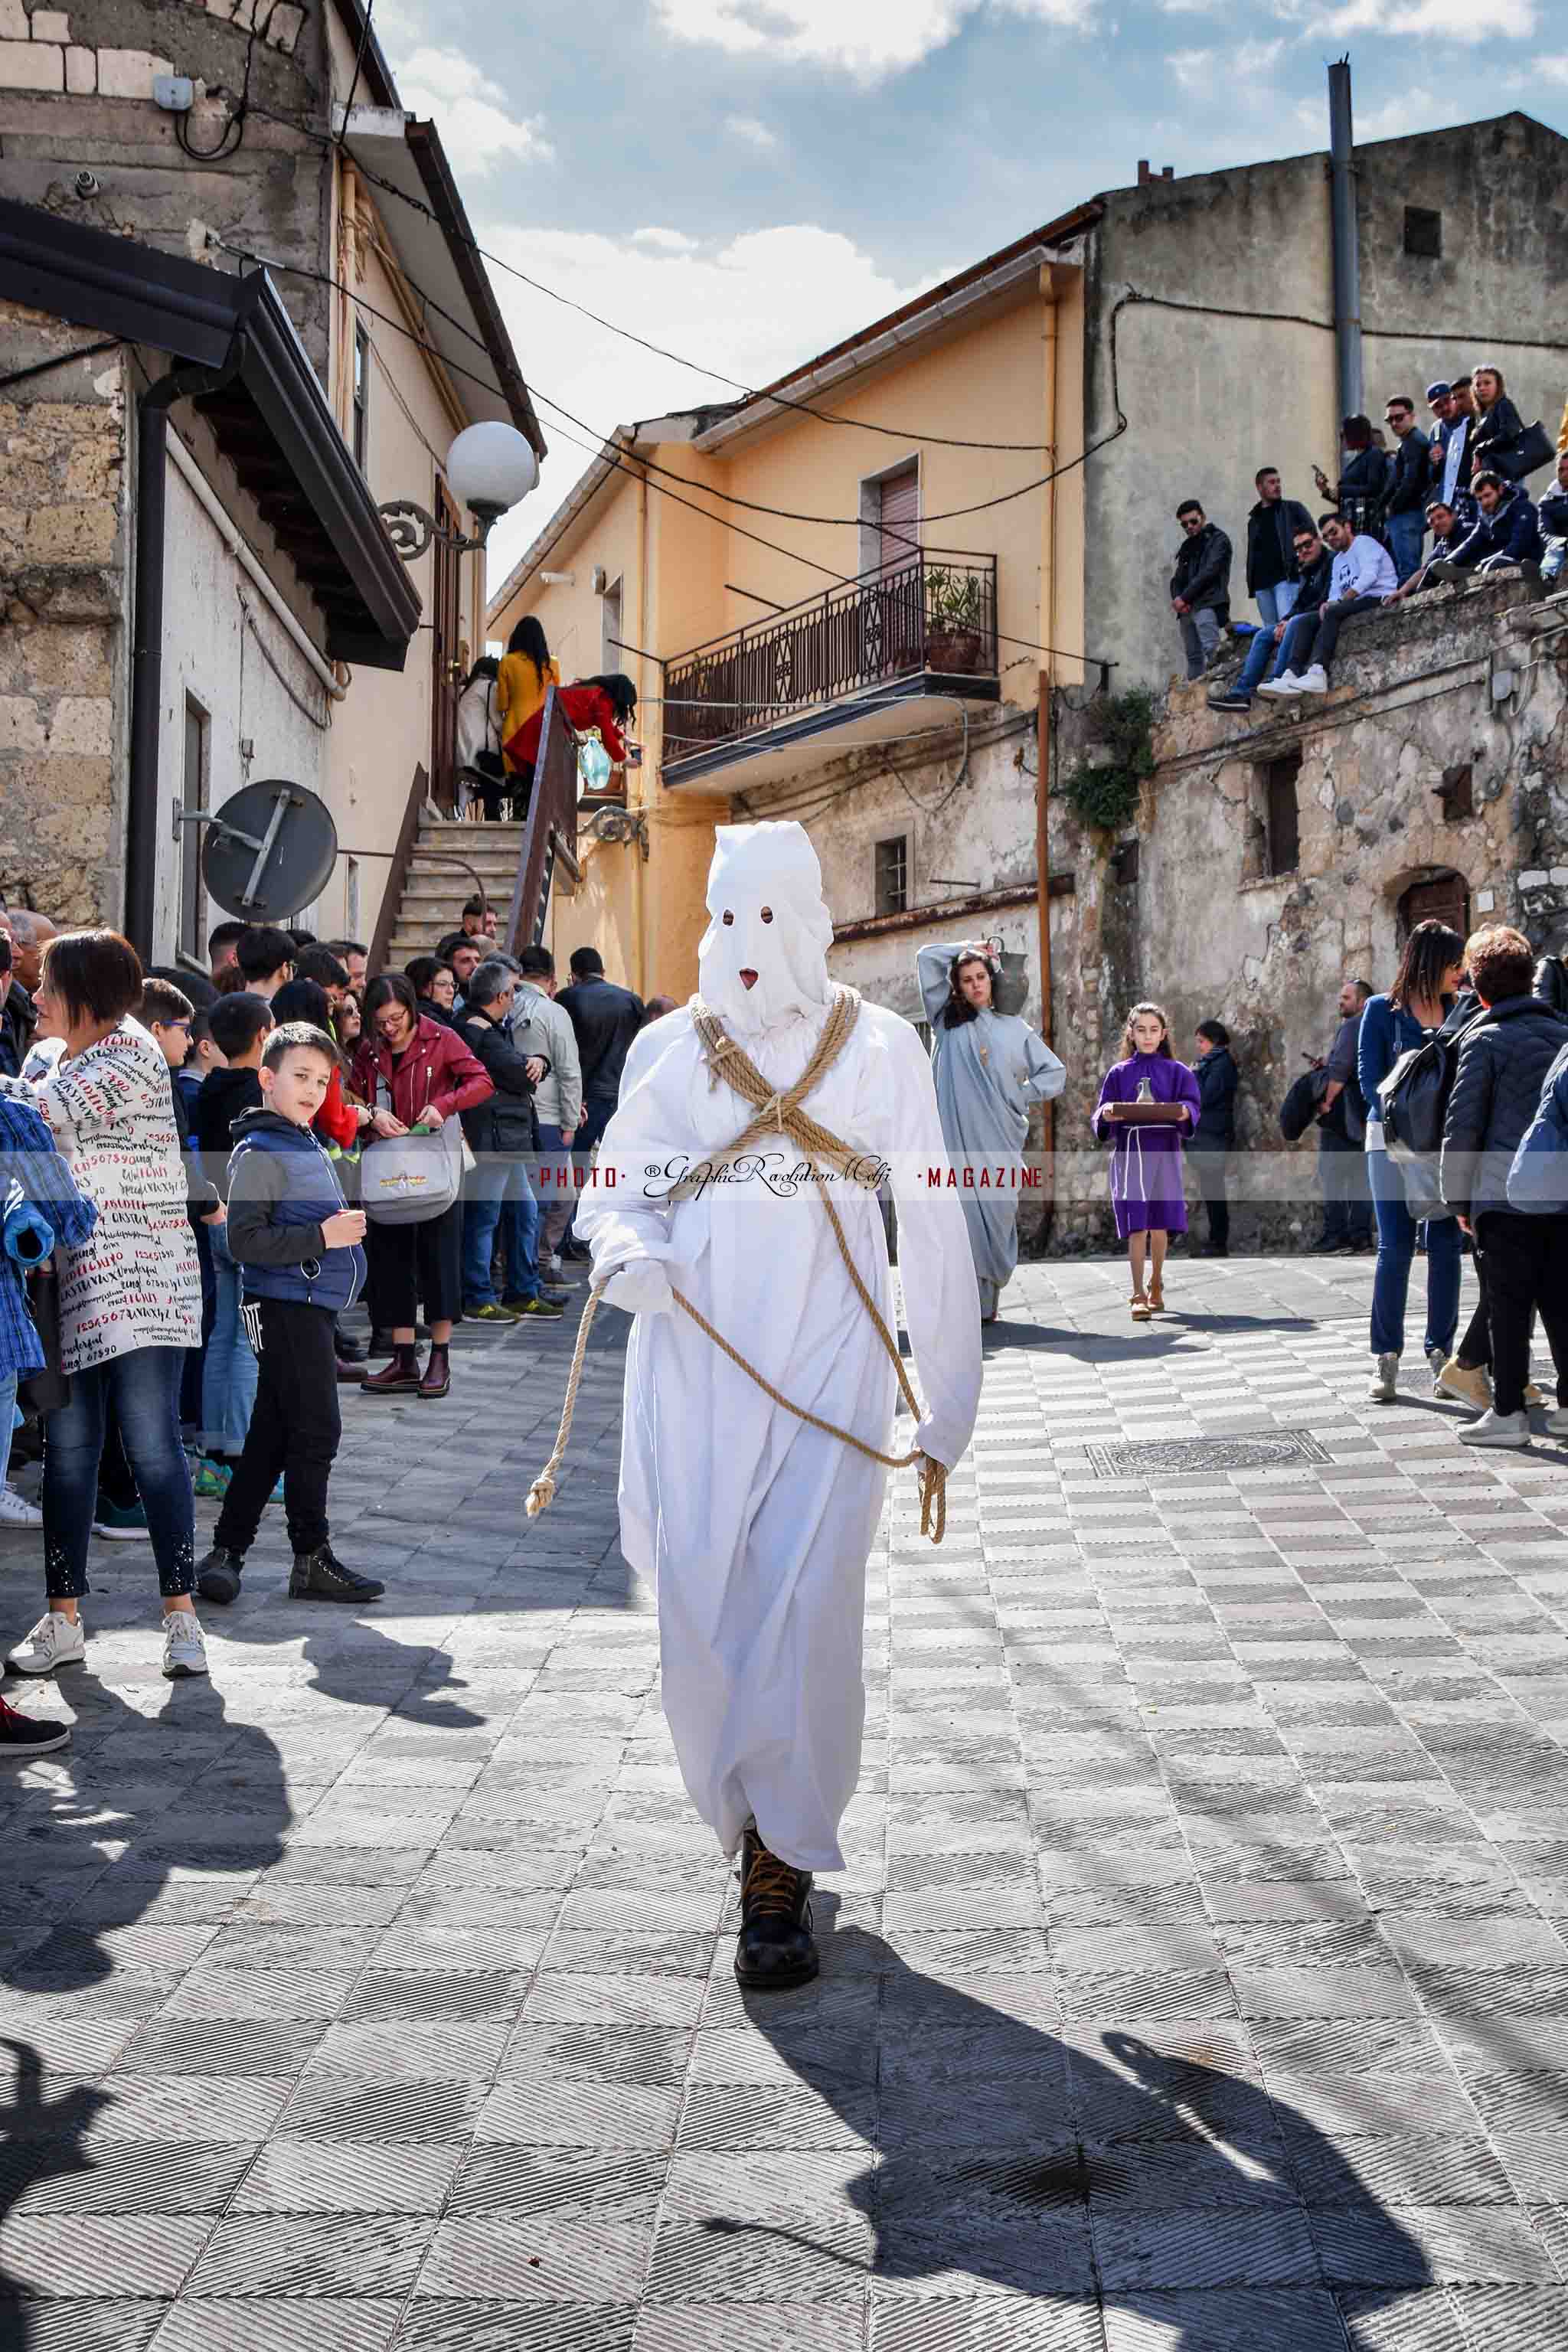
{"x":955,"y":632}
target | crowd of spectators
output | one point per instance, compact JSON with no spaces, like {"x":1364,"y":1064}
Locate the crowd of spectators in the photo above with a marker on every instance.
{"x":1464,"y":481}
{"x":184,"y":1156}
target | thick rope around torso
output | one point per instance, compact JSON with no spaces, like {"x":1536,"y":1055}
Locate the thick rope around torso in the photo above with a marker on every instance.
{"x":779,"y":1112}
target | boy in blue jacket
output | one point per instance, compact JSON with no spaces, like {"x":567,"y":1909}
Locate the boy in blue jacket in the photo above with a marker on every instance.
{"x":298,"y":1248}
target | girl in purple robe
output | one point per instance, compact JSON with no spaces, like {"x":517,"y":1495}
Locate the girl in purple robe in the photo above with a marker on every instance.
{"x":1146,"y":1160}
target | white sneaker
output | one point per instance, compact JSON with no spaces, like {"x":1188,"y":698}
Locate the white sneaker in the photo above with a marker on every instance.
{"x":16,"y":1513}
{"x":1469,"y":1384}
{"x":1383,"y":1385}
{"x":1315,"y":681}
{"x":1557,"y":1421}
{"x":54,"y":1641}
{"x":1496,"y":1428}
{"x":184,"y":1645}
{"x":1287,"y":683}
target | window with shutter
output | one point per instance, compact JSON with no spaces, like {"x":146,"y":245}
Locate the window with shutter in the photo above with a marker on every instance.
{"x":898,"y":518}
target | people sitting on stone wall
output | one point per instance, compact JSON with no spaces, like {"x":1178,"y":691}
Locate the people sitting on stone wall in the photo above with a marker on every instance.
{"x":1200,"y":586}
{"x":1266,"y":655}
{"x":1448,"y":535}
{"x":1554,"y":514}
{"x":1360,"y":581}
{"x":1273,"y":575}
{"x":1506,"y":535}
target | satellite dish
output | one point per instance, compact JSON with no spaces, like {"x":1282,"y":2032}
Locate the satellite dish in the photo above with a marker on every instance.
{"x":269,"y":850}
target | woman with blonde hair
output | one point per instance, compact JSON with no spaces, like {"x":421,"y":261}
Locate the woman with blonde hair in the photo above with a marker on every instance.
{"x":1499,"y":428}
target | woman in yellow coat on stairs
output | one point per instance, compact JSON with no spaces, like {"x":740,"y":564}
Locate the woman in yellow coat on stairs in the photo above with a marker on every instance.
{"x":526,"y":676}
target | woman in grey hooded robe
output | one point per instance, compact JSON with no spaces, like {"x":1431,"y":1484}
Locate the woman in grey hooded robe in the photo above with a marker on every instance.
{"x":989,"y":1067}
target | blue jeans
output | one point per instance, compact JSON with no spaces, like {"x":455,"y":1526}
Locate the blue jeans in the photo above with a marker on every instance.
{"x":556,"y":1199}
{"x":144,"y":1387}
{"x":501,"y":1197}
{"x":1277,"y":603}
{"x":7,"y":1420}
{"x":1405,"y":533}
{"x":1264,"y":659}
{"x":230,"y":1374}
{"x":1395,"y":1254}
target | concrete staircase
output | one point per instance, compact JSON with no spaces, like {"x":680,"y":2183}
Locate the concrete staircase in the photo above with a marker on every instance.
{"x":436,"y":887}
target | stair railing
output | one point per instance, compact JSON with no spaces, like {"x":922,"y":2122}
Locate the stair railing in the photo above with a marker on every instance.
{"x":397,"y":871}
{"x":549,"y":831}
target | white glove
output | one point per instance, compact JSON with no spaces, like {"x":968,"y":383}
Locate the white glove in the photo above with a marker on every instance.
{"x":641,"y":1287}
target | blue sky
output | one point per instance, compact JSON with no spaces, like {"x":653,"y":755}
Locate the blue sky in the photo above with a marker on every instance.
{"x":746,"y":180}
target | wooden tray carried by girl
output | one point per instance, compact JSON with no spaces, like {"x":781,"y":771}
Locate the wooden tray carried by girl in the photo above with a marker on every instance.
{"x":1150,"y":1114}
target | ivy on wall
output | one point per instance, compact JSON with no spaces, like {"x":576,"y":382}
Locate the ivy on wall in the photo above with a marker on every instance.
{"x":1106,"y":792}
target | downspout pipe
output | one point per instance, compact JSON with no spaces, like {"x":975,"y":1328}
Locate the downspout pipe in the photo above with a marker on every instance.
{"x":147,"y":652}
{"x":1346,"y":241}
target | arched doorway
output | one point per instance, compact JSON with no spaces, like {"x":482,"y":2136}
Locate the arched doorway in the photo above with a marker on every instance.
{"x":1445,"y":894}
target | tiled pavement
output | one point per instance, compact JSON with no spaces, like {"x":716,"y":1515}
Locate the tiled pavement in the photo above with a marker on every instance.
{"x":1198,"y":1980}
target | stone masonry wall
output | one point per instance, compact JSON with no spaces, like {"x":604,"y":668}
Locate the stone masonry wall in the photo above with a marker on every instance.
{"x":1443,"y":750}
{"x":63,"y":604}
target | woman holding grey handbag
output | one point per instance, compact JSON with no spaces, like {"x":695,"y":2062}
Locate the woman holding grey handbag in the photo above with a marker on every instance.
{"x":415,"y":1075}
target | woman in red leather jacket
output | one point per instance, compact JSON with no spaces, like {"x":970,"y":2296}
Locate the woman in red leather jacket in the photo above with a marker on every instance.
{"x":415,"y":1073}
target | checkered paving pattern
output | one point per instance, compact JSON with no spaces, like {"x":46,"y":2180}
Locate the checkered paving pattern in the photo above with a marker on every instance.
{"x":1198,"y":1981}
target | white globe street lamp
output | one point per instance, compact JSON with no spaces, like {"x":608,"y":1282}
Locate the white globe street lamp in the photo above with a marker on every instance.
{"x":490,"y":467}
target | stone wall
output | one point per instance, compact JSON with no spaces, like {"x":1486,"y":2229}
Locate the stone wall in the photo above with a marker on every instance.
{"x":63,"y":604}
{"x":82,"y":134}
{"x":1442,"y":750}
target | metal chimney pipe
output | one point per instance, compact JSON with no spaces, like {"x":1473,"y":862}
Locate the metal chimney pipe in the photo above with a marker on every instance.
{"x":1346,"y":241}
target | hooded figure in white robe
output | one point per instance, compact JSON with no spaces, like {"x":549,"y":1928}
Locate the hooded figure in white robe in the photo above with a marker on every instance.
{"x":755,"y":1529}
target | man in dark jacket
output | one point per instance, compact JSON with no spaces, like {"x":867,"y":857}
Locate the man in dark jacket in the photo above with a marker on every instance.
{"x":1502,"y":1065}
{"x":1200,"y":586}
{"x":1217,"y":1078}
{"x":1266,"y":656}
{"x":606,"y":1019}
{"x":1554,"y":514}
{"x":1272,"y":570}
{"x":1506,"y":531}
{"x":503,"y":1135}
{"x":1409,"y":485}
{"x":18,"y":1020}
{"x":1341,"y":1135}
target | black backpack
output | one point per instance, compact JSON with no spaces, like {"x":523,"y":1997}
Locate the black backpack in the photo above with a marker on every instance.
{"x":1414,"y":1098}
{"x":1299,"y":1107}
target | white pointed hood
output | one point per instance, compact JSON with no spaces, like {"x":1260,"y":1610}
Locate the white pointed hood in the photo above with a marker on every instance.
{"x":771,"y":867}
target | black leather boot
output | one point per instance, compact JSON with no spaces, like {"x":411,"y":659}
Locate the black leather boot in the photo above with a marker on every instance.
{"x":775,"y":1948}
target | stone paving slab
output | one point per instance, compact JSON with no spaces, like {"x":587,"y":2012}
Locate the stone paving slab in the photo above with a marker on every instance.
{"x":1198,"y":1981}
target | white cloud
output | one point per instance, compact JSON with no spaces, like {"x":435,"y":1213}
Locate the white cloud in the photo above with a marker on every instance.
{"x":754,"y":305}
{"x":1409,"y":110}
{"x":1447,"y":20}
{"x":469,"y":112}
{"x":1554,"y":69}
{"x":865,"y":37}
{"x":665,"y":240}
{"x":754,"y":133}
{"x":1203,"y":69}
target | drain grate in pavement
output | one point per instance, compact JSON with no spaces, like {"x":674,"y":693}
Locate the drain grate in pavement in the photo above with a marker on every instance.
{"x":1145,"y":1457}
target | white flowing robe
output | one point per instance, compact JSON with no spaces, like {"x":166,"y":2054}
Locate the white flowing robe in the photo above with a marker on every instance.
{"x":754,"y":1528}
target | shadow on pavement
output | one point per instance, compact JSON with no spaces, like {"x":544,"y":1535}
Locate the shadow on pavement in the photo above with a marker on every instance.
{"x":1063,"y":2164}
{"x":90,"y":1854}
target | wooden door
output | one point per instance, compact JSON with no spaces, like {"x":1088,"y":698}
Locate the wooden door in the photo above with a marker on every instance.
{"x":1445,"y":896}
{"x":445,"y":683}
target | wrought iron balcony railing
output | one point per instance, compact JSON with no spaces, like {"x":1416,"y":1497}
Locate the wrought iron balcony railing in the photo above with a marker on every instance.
{"x":930,"y":614}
